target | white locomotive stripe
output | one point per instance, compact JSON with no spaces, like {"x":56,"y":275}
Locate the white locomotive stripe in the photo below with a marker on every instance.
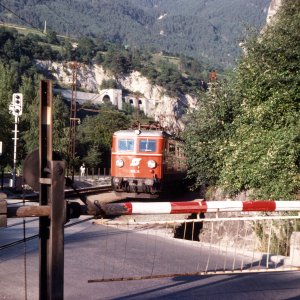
{"x":214,"y":206}
{"x":135,"y":154}
{"x":151,"y":208}
{"x":287,"y":205}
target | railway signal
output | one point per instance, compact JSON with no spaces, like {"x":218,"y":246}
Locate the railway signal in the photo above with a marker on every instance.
{"x":16,"y":106}
{"x":16,"y":109}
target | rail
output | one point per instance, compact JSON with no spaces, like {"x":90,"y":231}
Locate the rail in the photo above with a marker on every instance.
{"x":69,"y":193}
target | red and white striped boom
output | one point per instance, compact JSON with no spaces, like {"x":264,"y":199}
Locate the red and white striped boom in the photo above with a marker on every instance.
{"x":198,"y":206}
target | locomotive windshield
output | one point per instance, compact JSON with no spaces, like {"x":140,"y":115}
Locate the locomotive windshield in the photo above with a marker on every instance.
{"x":125,"y":144}
{"x":147,"y":145}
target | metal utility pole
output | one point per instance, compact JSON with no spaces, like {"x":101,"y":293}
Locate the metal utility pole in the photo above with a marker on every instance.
{"x":15,"y":108}
{"x":72,"y":129}
{"x":15,"y":151}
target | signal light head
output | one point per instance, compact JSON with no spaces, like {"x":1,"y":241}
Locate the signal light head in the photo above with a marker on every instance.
{"x":17,"y":104}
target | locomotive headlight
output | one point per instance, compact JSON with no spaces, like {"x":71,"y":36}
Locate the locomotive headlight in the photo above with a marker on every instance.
{"x":151,"y":164}
{"x":119,"y":163}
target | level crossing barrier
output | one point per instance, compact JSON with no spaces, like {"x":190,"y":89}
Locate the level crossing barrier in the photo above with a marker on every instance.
{"x":231,"y":237}
{"x":199,"y":206}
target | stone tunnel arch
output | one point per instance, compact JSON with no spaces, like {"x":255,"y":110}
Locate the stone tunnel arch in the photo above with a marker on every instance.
{"x":106,"y":99}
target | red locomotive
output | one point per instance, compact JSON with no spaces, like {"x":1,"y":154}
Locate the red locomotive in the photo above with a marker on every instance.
{"x":146,"y":162}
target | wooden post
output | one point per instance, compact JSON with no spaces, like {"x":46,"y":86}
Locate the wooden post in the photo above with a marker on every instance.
{"x":51,"y":230}
{"x":56,"y":241}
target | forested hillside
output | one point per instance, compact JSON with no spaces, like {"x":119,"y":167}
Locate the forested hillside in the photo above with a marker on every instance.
{"x":210,"y":29}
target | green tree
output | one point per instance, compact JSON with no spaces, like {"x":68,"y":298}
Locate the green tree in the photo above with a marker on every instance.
{"x":117,"y":61}
{"x":52,"y":37}
{"x":67,"y":51}
{"x":95,"y":134}
{"x":85,"y":50}
{"x":30,"y":119}
{"x":29,"y":134}
{"x":6,"y":119}
{"x":207,"y":132}
{"x":61,"y":120}
{"x":108,"y":84}
{"x":264,"y":152}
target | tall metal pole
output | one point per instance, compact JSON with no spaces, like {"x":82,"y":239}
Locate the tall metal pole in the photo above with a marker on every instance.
{"x":73,"y":120}
{"x":15,"y":151}
{"x":15,"y":108}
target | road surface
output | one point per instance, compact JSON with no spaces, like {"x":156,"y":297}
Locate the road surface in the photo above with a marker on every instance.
{"x":93,"y":250}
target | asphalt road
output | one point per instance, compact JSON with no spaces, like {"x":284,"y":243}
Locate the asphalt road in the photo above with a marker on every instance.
{"x":95,"y":252}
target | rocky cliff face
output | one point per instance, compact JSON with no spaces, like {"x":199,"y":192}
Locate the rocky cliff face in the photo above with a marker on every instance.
{"x":162,"y":107}
{"x":273,"y":8}
{"x":165,"y":109}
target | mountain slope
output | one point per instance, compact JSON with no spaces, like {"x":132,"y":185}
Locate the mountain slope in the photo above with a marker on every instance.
{"x":197,"y":28}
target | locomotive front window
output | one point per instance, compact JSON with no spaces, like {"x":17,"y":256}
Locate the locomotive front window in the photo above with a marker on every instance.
{"x":147,"y":145}
{"x":125,"y":144}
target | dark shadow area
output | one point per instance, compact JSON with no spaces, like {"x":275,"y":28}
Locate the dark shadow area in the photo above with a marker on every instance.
{"x":265,"y":261}
{"x":191,"y":230}
{"x":242,"y":286}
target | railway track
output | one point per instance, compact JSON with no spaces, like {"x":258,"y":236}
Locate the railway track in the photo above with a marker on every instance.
{"x":69,"y":193}
{"x":88,"y":191}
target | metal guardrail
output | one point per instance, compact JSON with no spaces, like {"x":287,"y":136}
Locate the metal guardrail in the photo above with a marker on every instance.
{"x":221,"y":246}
